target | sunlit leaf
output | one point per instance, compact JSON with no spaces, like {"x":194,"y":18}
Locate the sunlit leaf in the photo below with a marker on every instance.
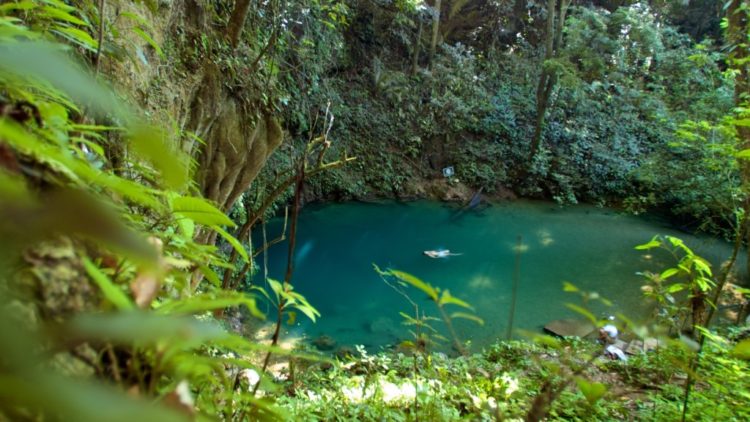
{"x":210,"y":275}
{"x":46,"y":62}
{"x":233,"y":241}
{"x":414,"y":281}
{"x":208,"y":302}
{"x":569,"y":287}
{"x":76,"y":36}
{"x":742,"y":350}
{"x":447,"y":299}
{"x":62,"y":15}
{"x":593,"y":391}
{"x":471,"y":317}
{"x":653,"y":243}
{"x":200,"y":210}
{"x":669,"y":272}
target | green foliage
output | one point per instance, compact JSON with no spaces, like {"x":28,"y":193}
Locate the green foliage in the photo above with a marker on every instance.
{"x":441,"y":298}
{"x":126,"y":223}
{"x":691,"y":274}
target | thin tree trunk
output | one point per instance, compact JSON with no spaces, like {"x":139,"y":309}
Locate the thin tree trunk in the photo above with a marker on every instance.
{"x":237,"y":21}
{"x":543,"y":89}
{"x":435,"y":31}
{"x":417,"y":44}
{"x":548,"y":78}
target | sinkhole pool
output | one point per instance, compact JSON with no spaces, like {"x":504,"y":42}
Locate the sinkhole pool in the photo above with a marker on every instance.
{"x":593,"y":248}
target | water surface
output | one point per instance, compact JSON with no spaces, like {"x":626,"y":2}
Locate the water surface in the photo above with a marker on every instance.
{"x":590,"y":247}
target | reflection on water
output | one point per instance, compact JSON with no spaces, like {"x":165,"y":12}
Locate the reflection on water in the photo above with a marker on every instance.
{"x":590,"y":247}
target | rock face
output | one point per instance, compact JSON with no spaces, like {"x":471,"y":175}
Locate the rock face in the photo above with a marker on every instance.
{"x":188,"y":90}
{"x":440,"y":189}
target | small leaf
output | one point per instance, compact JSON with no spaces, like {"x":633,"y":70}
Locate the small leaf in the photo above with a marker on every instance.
{"x":569,"y":287}
{"x":210,"y":275}
{"x":62,"y":15}
{"x":233,"y":241}
{"x":111,"y":292}
{"x":471,"y":317}
{"x":200,"y":211}
{"x":77,"y":36}
{"x":669,"y":272}
{"x":152,"y":144}
{"x":308,"y":310}
{"x":414,"y":281}
{"x":593,"y":391}
{"x":653,"y":243}
{"x":447,"y":299}
{"x":677,"y":287}
{"x":146,"y":37}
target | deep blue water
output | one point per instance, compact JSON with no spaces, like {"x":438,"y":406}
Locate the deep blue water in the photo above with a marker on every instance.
{"x":593,"y":248}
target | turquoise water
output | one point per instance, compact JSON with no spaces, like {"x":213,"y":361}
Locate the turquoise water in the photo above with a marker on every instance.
{"x":590,"y":247}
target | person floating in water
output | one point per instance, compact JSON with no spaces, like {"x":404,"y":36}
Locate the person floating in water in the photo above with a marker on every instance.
{"x":440,"y":253}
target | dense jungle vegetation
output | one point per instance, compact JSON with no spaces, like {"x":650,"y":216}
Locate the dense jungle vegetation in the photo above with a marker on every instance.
{"x":142,"y":141}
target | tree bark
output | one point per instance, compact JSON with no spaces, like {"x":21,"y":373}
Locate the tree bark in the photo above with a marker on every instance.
{"x":237,"y":21}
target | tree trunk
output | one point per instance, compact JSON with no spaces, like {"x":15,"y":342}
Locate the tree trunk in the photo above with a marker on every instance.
{"x":237,"y":21}
{"x":415,"y":54}
{"x":435,"y":31}
{"x":737,"y":33}
{"x":544,"y":88}
{"x":547,"y":80}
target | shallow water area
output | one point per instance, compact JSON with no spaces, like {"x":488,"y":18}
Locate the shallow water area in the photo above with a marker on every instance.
{"x":593,"y":248}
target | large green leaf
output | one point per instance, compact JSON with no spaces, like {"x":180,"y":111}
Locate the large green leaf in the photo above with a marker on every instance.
{"x":152,"y":144}
{"x":80,"y":400}
{"x":653,"y":243}
{"x":233,"y":241}
{"x":470,"y":317}
{"x":200,"y":211}
{"x":210,"y":301}
{"x":447,"y":299}
{"x":41,"y":61}
{"x":593,"y":391}
{"x":742,"y":350}
{"x":74,"y":167}
{"x":140,"y":327}
{"x":414,"y":281}
{"x":146,"y":37}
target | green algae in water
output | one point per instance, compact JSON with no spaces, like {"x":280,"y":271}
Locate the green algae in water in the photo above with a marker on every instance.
{"x":593,"y":248}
